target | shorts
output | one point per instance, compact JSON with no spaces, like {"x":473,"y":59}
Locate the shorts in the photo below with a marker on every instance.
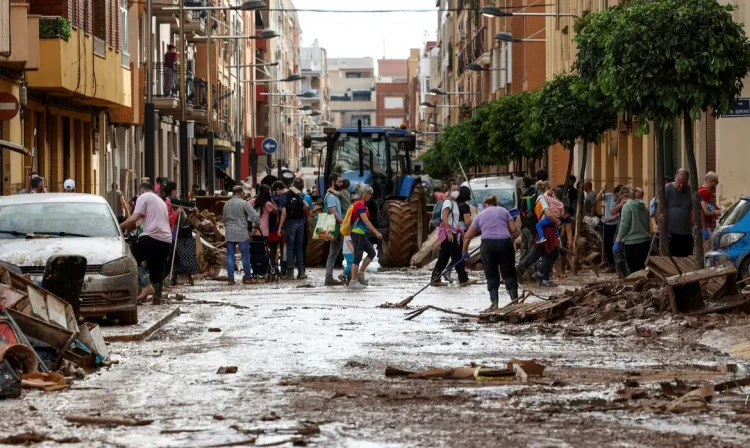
{"x":361,"y":245}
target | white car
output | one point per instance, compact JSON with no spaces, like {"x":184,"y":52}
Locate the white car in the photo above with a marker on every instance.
{"x":34,"y":227}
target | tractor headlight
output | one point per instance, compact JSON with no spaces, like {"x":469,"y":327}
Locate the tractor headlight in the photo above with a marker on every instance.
{"x":118,"y":267}
{"x":730,"y":238}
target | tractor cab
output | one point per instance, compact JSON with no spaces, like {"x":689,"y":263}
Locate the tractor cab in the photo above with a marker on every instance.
{"x":379,"y":157}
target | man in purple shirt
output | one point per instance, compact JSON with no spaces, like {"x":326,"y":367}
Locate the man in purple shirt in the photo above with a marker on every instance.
{"x":498,"y":252}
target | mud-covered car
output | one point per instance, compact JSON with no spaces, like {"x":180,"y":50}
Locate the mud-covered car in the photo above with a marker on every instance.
{"x":730,"y":242}
{"x":34,"y":227}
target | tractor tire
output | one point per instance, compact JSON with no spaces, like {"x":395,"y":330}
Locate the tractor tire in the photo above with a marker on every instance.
{"x":317,"y":251}
{"x":402,"y":235}
{"x":418,"y":204}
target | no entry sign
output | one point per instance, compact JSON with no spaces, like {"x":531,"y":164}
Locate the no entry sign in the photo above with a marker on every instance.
{"x":8,"y":106}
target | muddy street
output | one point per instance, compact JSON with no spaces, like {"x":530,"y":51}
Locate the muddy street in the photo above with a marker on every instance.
{"x":310,"y":371}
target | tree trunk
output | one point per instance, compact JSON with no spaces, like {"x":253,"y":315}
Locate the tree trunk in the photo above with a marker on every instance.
{"x":697,"y":208}
{"x":661,"y":196}
{"x":579,"y":207}
{"x":567,"y":174}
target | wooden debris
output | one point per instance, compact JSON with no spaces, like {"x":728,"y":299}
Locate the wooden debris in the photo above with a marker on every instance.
{"x":411,"y":315}
{"x":108,"y":421}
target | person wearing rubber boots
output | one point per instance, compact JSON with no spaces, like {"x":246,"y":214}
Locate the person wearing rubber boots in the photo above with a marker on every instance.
{"x":498,"y":251}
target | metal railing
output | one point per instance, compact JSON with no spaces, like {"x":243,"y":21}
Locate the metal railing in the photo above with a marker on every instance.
{"x":473,"y":50}
{"x":199,"y":94}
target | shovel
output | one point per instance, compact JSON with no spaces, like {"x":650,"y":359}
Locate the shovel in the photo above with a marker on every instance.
{"x":405,"y":302}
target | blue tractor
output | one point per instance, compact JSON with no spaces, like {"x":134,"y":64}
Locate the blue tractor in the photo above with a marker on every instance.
{"x":379,"y":157}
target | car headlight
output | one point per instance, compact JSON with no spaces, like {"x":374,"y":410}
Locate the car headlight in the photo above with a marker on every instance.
{"x":118,"y":267}
{"x":730,"y":238}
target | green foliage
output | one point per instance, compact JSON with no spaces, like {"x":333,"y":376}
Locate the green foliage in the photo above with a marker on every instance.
{"x":660,"y":58}
{"x":505,"y":123}
{"x":567,"y":108}
{"x":54,"y":28}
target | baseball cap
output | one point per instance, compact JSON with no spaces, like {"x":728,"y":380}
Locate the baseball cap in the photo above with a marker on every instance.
{"x":69,"y":184}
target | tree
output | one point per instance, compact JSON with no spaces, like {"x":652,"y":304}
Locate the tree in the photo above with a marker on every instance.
{"x":503,"y":123}
{"x":663,"y":59}
{"x":568,"y":109}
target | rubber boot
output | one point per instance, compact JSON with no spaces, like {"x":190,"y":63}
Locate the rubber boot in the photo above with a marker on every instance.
{"x":157,"y":293}
{"x":513,"y":293}
{"x":331,"y":282}
{"x":494,"y":299}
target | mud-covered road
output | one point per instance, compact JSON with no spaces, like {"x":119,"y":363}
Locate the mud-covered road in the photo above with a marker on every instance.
{"x":311,"y":364}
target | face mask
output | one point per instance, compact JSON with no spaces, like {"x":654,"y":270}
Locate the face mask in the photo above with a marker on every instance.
{"x":454,"y":194}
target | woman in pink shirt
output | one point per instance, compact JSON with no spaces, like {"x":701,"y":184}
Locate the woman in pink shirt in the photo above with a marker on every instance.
{"x":265,"y":208}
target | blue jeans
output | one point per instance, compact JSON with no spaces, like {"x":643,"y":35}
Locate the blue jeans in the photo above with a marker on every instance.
{"x":349,"y":261}
{"x":295,"y":236}
{"x":542,"y":223}
{"x":245,"y":251}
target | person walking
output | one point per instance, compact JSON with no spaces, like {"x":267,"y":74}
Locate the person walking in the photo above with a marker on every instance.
{"x":711,"y":211}
{"x":634,"y":234}
{"x":154,"y":242}
{"x":548,"y":251}
{"x":38,"y":185}
{"x":266,"y":208}
{"x":680,"y":214}
{"x":117,"y":203}
{"x":609,"y":221}
{"x":298,"y":187}
{"x":345,"y":196}
{"x":360,"y":225}
{"x":589,"y":199}
{"x":292,"y":227}
{"x":333,"y":207}
{"x":237,"y":214}
{"x":498,"y":230}
{"x":450,"y":235}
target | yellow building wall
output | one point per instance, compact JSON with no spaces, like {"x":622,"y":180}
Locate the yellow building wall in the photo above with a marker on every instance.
{"x":64,"y":69}
{"x":13,"y":174}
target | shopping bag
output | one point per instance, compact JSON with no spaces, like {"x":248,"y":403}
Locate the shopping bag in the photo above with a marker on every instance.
{"x":325,"y":227}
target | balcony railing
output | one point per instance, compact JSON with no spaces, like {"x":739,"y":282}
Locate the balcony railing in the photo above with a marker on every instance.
{"x":473,"y":50}
{"x":167,"y":85}
{"x":200,"y":94}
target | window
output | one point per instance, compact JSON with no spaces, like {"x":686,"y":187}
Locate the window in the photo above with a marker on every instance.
{"x":340,"y":97}
{"x":394,"y":102}
{"x":124,"y":26}
{"x":365,"y":120}
{"x":100,"y":20}
{"x":361,"y":95}
{"x":393,"y":122}
{"x":353,"y":74}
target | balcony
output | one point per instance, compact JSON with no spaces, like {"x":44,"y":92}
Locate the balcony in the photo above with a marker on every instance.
{"x":199,"y":99}
{"x":158,"y":8}
{"x":474,"y":50}
{"x":166,"y":90}
{"x":98,"y":80}
{"x":19,"y":42}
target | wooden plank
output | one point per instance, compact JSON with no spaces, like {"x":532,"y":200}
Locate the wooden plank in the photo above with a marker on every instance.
{"x":702,"y":274}
{"x":728,"y":304}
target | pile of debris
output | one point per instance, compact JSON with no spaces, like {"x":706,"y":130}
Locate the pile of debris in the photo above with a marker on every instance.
{"x":209,"y":241}
{"x":667,"y":285}
{"x":43,"y":345}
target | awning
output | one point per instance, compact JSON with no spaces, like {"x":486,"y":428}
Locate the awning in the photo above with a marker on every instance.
{"x":219,"y":144}
{"x":15,"y":147}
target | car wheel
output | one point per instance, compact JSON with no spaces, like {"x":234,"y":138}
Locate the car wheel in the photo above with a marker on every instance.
{"x":129,"y":318}
{"x":744,"y":271}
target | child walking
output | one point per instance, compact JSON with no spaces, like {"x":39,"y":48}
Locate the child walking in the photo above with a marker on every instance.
{"x":547,"y":200}
{"x":348,"y":251}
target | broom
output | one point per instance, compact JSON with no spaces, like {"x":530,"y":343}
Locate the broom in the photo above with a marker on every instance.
{"x":405,"y":302}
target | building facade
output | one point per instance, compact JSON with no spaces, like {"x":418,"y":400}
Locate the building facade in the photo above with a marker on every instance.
{"x":315,"y":80}
{"x":392,"y":92}
{"x":352,"y":98}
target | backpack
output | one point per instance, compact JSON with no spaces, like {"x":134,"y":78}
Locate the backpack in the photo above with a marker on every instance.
{"x":346,"y":225}
{"x":437,"y":214}
{"x":526,"y":209}
{"x":295,"y":206}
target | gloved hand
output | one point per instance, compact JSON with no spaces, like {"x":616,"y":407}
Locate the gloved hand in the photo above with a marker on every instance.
{"x":617,"y":246}
{"x":706,"y":235}
{"x":467,"y":255}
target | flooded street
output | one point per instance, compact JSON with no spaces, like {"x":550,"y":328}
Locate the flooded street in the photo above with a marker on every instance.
{"x":310,"y":371}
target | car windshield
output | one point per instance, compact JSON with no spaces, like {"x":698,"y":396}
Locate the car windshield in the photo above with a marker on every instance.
{"x":76,"y":218}
{"x":735,"y":213}
{"x":347,"y":155}
{"x":505,"y":197}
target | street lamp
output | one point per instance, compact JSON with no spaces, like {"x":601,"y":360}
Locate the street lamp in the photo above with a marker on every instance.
{"x":494,"y":11}
{"x":291,"y":78}
{"x":430,"y":105}
{"x":440,"y":92}
{"x":271,"y":64}
{"x":478,"y":68}
{"x":298,"y":95}
{"x":303,"y":108}
{"x":314,"y":113}
{"x":507,"y":37}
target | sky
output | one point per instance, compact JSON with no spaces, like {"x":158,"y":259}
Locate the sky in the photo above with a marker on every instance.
{"x":368,"y":34}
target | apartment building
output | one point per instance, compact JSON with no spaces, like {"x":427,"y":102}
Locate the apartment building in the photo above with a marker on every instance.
{"x":392,"y":92}
{"x":314,"y":63}
{"x":422,"y":116}
{"x":19,"y":55}
{"x":625,"y":158}
{"x":352,"y":97}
